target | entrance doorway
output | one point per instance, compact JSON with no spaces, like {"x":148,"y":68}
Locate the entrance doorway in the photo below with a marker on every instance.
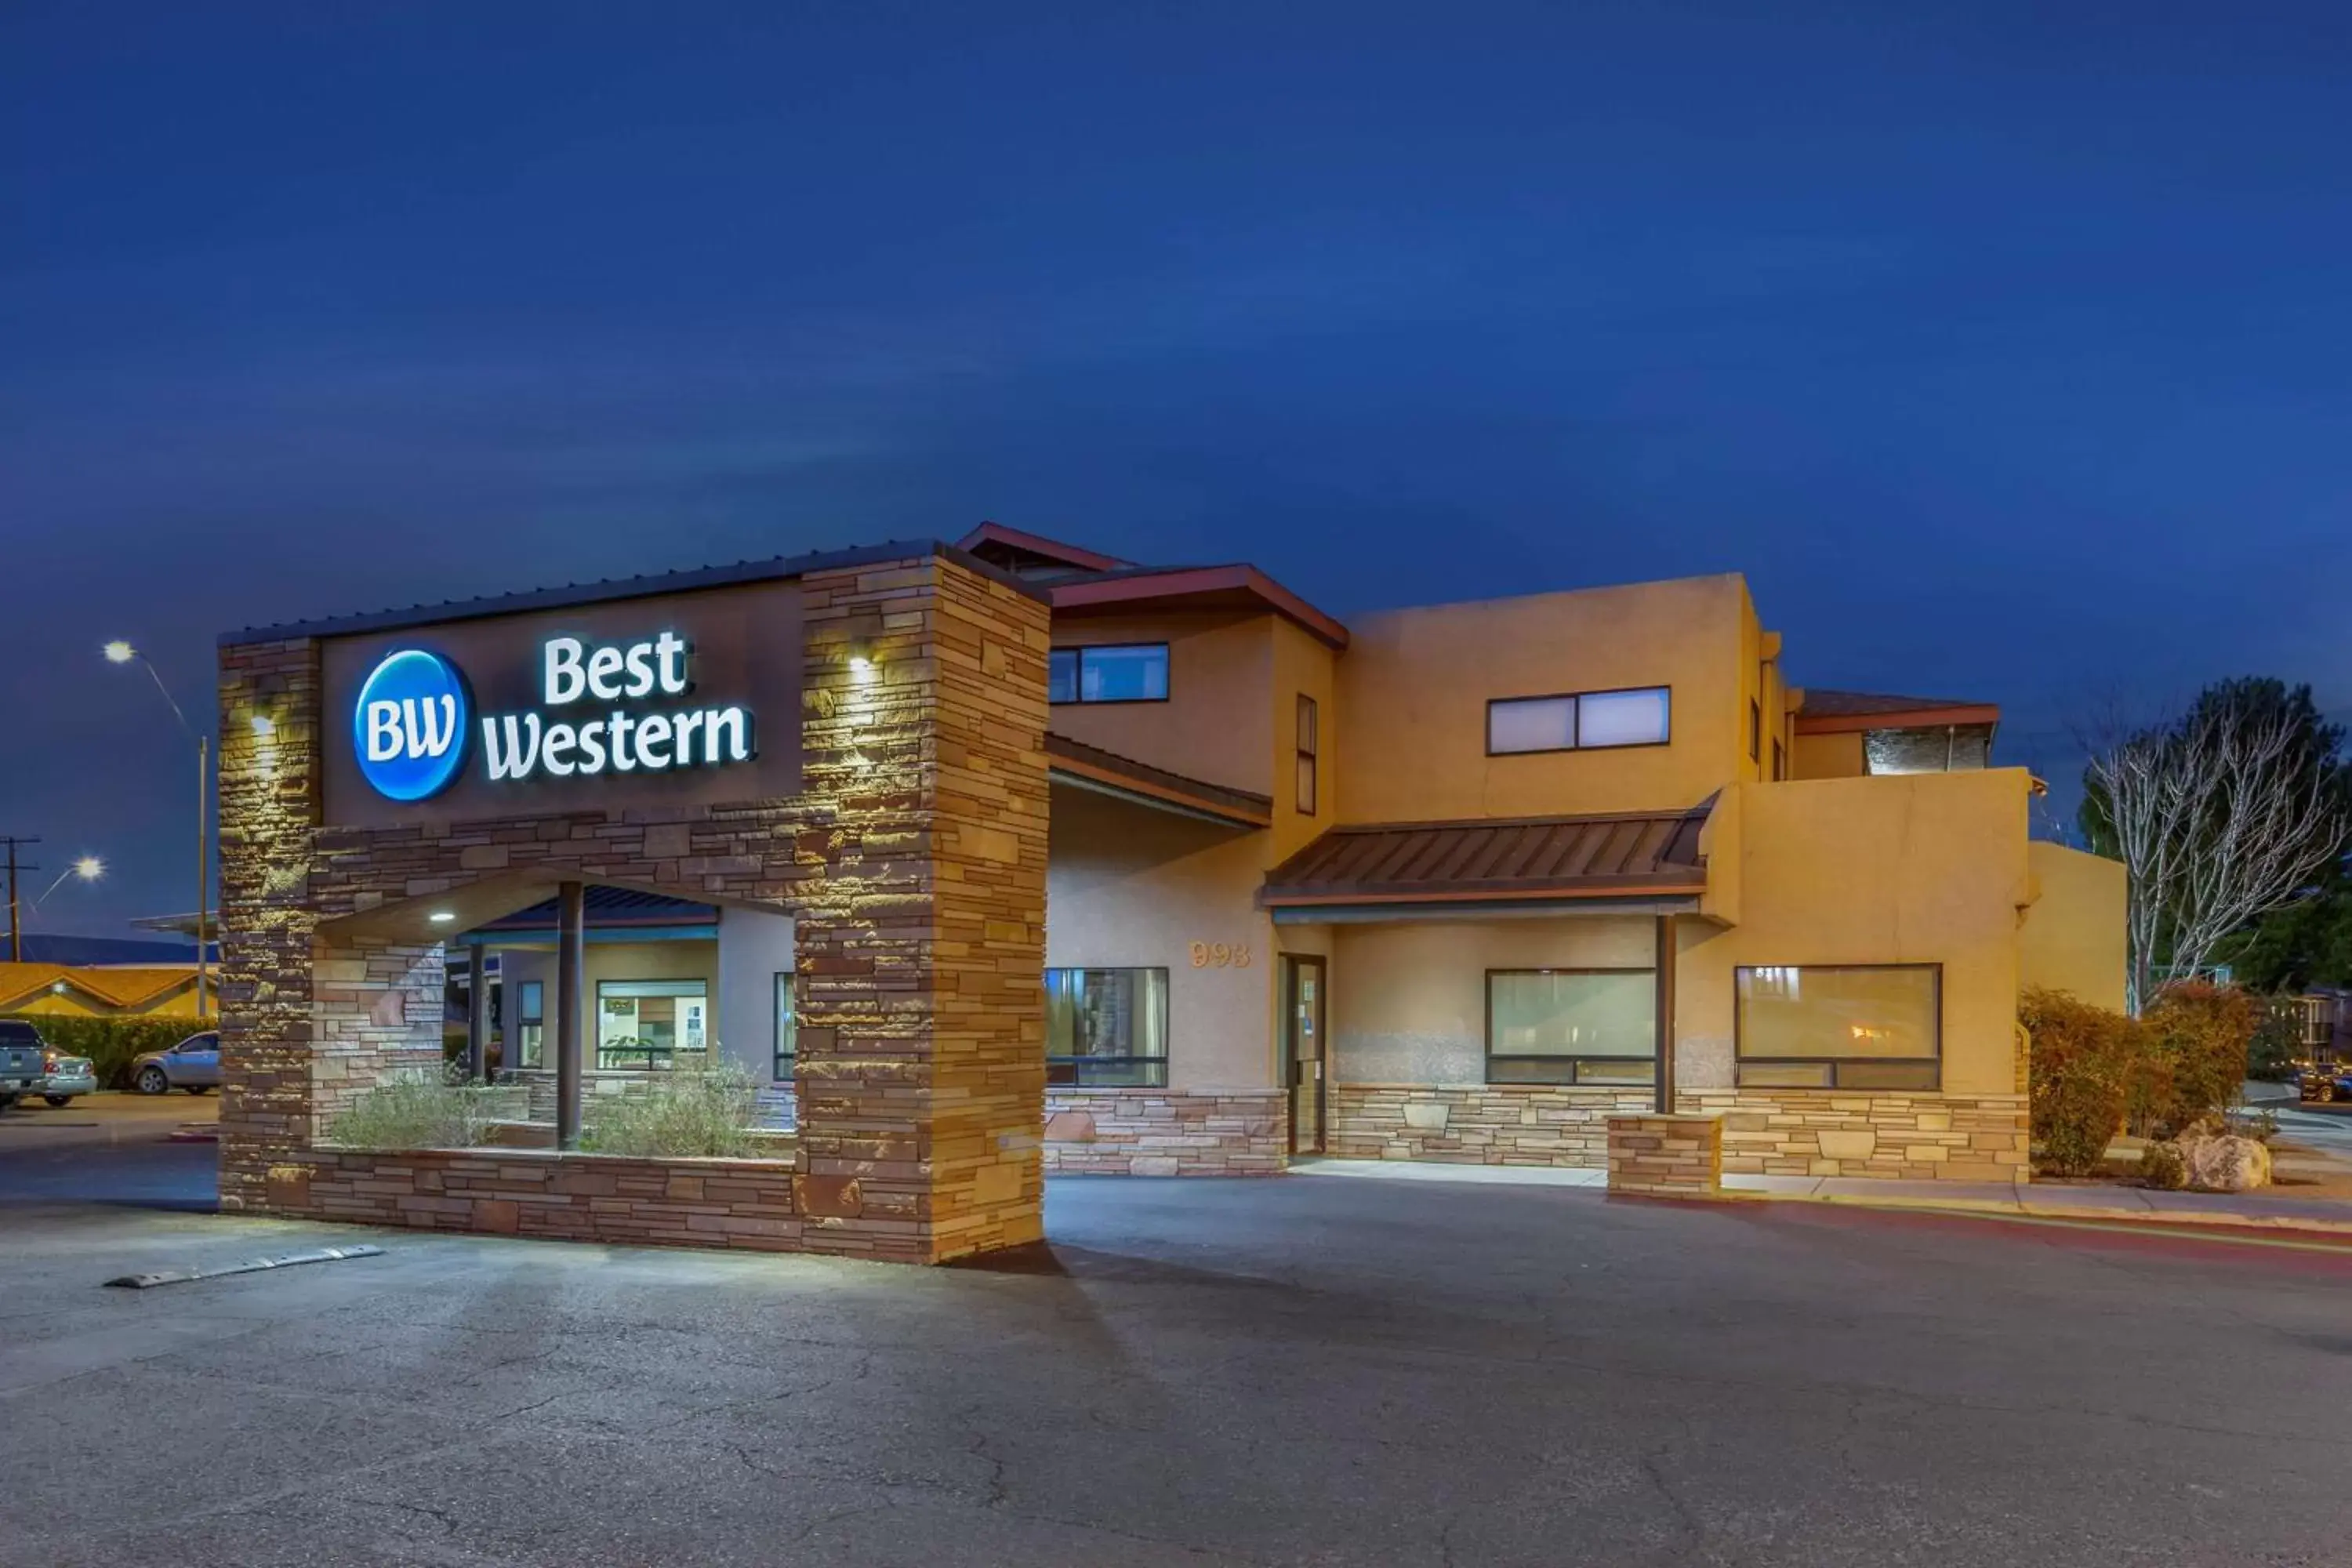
{"x":1302,"y":1050}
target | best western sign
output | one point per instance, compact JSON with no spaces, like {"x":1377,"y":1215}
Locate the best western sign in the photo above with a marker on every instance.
{"x":616,"y":705}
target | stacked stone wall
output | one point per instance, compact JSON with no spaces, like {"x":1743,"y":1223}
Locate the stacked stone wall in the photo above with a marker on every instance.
{"x":913,"y":861}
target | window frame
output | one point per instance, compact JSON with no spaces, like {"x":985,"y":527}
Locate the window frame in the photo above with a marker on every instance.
{"x":597,"y":1045}
{"x":1578,"y":698}
{"x":1756,"y":730}
{"x":1075,"y":1064}
{"x":1575,"y":1078}
{"x":1078,"y":651}
{"x":1779,"y":761}
{"x":1306,"y":772}
{"x":783,"y":1058}
{"x":530,"y":1013}
{"x":1740,"y":1058}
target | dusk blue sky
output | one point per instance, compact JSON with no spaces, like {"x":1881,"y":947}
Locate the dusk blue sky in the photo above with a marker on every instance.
{"x":2003,"y":348}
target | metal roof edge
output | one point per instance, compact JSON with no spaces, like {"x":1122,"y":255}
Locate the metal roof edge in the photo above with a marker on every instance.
{"x":776,"y":569}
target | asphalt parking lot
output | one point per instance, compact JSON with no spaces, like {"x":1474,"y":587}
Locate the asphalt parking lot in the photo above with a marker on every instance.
{"x":1298,"y":1371}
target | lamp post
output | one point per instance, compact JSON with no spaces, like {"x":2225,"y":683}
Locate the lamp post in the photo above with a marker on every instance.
{"x":119,"y":652}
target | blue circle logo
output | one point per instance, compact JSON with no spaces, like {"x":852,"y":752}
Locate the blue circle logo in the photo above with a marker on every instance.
{"x":409,"y":728}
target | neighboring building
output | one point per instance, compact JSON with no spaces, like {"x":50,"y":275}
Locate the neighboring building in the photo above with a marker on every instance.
{"x":1453,"y":882}
{"x":2324,"y":1014}
{"x":90,"y":991}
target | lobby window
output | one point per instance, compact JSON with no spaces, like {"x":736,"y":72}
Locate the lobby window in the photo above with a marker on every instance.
{"x":649,"y":1025}
{"x":1106,"y":1029}
{"x":788,"y":1030}
{"x":1307,"y":747}
{"x":1573,"y":1025}
{"x":1863,"y":1025}
{"x":1120,"y":672}
{"x":1580,"y":721}
{"x":531,"y":1022}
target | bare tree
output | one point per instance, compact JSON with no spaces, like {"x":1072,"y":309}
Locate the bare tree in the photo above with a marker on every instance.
{"x":2219,"y":817}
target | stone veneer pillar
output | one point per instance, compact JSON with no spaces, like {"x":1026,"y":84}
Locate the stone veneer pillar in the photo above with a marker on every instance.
{"x":921,"y":1064}
{"x":913,"y":861}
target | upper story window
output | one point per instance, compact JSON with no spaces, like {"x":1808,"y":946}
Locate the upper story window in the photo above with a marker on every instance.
{"x":1111,"y":672}
{"x":1755,"y":731}
{"x":1309,"y":748}
{"x":1583,"y":721}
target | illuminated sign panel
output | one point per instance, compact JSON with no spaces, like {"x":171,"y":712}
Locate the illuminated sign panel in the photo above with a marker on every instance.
{"x":624,"y":704}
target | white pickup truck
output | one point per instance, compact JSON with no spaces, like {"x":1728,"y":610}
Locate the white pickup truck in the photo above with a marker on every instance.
{"x":23,"y":1060}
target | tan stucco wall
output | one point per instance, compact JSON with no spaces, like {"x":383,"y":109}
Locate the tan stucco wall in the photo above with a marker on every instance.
{"x":1301,"y":665}
{"x":1217,"y":724}
{"x":1129,"y":887}
{"x":1414,"y":683}
{"x":2074,"y":938}
{"x":1409,"y":1002}
{"x":1829,"y":756}
{"x":1926,"y":867}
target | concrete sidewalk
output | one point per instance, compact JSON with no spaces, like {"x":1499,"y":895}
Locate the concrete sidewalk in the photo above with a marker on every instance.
{"x":2060,"y":1199}
{"x":2047,"y":1200}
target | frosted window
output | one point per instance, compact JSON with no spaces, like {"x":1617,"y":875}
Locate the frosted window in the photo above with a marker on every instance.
{"x":1621,"y":718}
{"x":1531,"y":724}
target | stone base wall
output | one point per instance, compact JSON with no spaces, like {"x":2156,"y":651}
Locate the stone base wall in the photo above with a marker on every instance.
{"x":742,"y":1204}
{"x":1167,"y":1133}
{"x":1902,"y":1137}
{"x":1479,"y":1124}
{"x":1666,"y":1156}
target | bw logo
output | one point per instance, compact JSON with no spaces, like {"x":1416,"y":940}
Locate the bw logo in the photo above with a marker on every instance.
{"x":409,"y":727}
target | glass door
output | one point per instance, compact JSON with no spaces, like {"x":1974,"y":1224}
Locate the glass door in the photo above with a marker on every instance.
{"x":1302,"y":1050}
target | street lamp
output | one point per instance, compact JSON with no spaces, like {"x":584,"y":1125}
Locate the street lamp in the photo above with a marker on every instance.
{"x":89,"y":869}
{"x":121,"y":652}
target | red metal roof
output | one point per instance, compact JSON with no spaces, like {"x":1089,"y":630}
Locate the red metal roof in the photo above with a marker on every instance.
{"x":1499,"y":861}
{"x":1076,"y":760}
{"x":1826,"y":712}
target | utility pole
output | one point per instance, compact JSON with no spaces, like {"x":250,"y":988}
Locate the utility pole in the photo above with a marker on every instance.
{"x":16,"y":932}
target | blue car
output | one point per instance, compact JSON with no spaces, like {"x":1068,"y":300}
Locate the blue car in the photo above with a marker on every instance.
{"x":193,"y":1064}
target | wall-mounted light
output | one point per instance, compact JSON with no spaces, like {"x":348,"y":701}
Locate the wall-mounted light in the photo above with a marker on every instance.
{"x":861,"y":657}
{"x":262,"y":727}
{"x":441,"y":917}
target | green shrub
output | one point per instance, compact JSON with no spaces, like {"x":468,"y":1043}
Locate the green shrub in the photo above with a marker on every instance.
{"x":111,"y":1044}
{"x":2161,"y":1166}
{"x":2085,"y":1064}
{"x":678,"y":1115}
{"x":2196,"y":1042}
{"x":416,"y":1110}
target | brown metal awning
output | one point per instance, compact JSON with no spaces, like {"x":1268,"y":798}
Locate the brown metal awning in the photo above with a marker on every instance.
{"x":1090,"y":767}
{"x":1626,"y":855}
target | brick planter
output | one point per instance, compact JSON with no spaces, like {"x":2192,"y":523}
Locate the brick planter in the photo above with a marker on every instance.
{"x":1666,"y":1156}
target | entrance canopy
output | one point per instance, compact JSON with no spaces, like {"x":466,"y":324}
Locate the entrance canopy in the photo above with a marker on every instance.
{"x":1621,"y":862}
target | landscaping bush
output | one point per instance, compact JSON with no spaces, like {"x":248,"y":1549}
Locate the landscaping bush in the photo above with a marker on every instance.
{"x":676,"y":1114}
{"x":2161,"y":1166}
{"x":110,"y":1044}
{"x":2085,"y":1060}
{"x":416,"y":1110}
{"x":2195,"y":1041}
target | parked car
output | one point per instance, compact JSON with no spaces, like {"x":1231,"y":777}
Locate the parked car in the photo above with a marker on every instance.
{"x":65,"y":1075}
{"x":21,"y":1050}
{"x":193,"y":1064}
{"x":2325,"y":1082}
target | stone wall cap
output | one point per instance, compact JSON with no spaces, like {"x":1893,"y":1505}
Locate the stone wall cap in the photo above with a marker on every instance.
{"x":776,"y":569}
